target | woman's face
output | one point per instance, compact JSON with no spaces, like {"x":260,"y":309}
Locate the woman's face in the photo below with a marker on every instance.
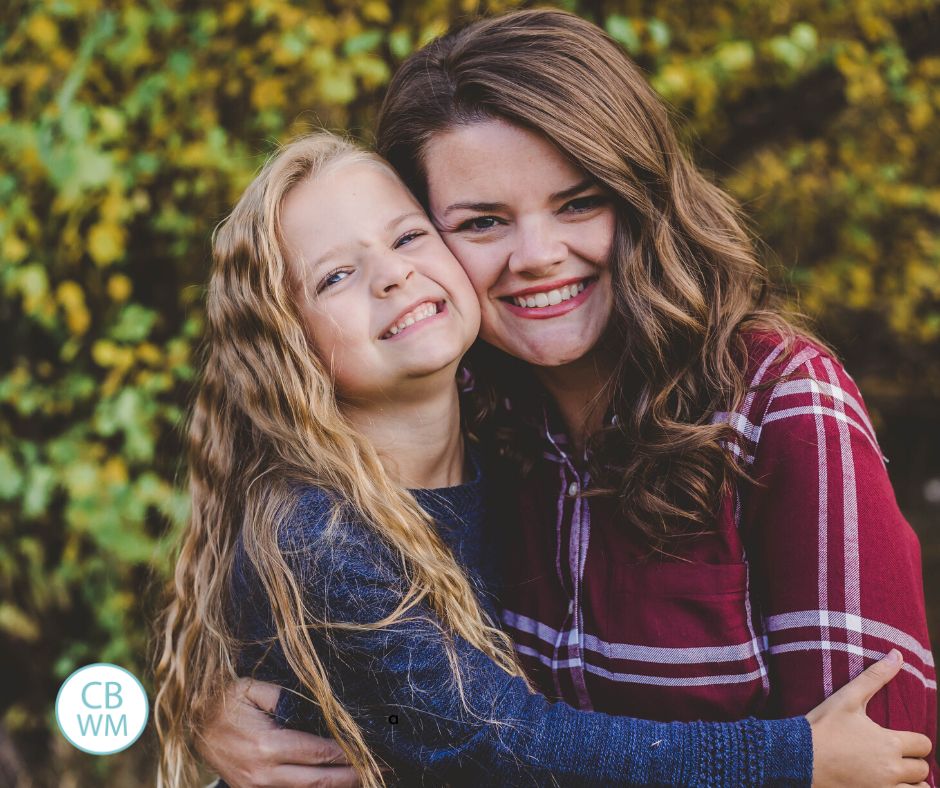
{"x":387,"y":306}
{"x":532,"y":231}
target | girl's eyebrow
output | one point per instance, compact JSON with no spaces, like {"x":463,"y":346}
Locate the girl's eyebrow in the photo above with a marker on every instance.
{"x":329,"y":253}
{"x":484,"y":207}
{"x":406,"y":215}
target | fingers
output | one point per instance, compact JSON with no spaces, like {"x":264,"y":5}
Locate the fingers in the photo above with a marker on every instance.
{"x":305,"y":749}
{"x":291,"y":776}
{"x":862,"y":688}
{"x":260,"y":693}
{"x":913,"y":771}
{"x":914,"y":745}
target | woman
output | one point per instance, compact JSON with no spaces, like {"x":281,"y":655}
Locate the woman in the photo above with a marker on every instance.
{"x":642,"y":401}
{"x":337,"y":320}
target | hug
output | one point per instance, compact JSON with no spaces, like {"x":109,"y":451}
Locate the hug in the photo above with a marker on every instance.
{"x":502,"y":435}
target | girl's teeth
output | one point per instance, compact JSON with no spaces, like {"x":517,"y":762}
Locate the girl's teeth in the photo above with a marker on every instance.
{"x":552,"y":297}
{"x":428,"y":310}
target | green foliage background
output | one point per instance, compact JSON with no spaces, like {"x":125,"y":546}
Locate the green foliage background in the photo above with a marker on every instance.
{"x":129,"y":127}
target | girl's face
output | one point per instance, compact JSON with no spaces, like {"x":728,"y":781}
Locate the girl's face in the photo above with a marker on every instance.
{"x":385,"y":302}
{"x":532,"y":231}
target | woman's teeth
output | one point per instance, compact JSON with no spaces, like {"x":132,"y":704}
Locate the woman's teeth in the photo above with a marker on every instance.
{"x":549,"y":298}
{"x":414,"y":316}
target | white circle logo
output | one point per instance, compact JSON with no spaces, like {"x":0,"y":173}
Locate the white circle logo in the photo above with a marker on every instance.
{"x":102,"y":709}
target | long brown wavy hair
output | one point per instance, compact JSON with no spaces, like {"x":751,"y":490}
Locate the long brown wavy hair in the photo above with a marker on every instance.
{"x":687,"y":284}
{"x":266,"y":419}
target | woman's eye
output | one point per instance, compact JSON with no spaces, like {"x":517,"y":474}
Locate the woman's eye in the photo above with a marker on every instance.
{"x":479,"y":223}
{"x":407,"y":238}
{"x":332,"y":279}
{"x":582,"y":204}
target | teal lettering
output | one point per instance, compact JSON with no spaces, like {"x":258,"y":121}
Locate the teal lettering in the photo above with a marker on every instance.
{"x":85,"y":689}
{"x":112,"y":690}
{"x":89,"y":723}
{"x":121,"y":723}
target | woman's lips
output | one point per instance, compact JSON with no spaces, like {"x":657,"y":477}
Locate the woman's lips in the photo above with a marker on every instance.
{"x":552,"y":310}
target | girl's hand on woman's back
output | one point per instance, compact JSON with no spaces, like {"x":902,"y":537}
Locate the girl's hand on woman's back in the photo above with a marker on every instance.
{"x":242,"y":743}
{"x":850,"y":749}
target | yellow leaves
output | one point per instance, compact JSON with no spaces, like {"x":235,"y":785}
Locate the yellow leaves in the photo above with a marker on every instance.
{"x":860,"y":291}
{"x":376,"y":11}
{"x":114,"y":472}
{"x":150,"y":354}
{"x":106,"y":242}
{"x":15,"y":622}
{"x":111,"y":122}
{"x":232,"y":14}
{"x":14,"y":248}
{"x":41,"y":29}
{"x":119,"y":288}
{"x":268,"y":94}
{"x":338,"y":86}
{"x":110,"y":354}
{"x":71,"y":298}
{"x":920,"y":115}
{"x":672,"y":82}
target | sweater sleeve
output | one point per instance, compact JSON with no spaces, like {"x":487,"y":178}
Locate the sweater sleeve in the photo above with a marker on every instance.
{"x":488,"y":728}
{"x":836,"y":567}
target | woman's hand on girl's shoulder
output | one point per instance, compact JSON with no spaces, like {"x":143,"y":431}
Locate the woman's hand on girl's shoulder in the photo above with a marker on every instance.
{"x":850,"y":749}
{"x":241,"y":741}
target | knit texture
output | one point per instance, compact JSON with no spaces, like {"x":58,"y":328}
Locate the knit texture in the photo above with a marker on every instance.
{"x":503,"y":735}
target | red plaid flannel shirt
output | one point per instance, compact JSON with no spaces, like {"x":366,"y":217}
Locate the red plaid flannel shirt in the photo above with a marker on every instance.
{"x":812,"y":574}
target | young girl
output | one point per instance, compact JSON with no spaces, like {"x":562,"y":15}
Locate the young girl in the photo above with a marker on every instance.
{"x":337,"y":319}
{"x":641,"y":377}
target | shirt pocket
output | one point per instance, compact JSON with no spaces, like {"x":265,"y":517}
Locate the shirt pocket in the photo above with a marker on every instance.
{"x":676,"y":604}
{"x":679,"y":638}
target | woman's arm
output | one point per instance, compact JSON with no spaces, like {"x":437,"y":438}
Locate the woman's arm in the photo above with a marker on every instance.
{"x":398,"y":685}
{"x":848,"y":749}
{"x":836,"y":572}
{"x":242,"y":742}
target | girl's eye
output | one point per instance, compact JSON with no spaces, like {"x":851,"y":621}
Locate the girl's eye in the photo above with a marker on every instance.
{"x":479,"y":223}
{"x":582,"y":204}
{"x":332,"y":278}
{"x":407,"y":238}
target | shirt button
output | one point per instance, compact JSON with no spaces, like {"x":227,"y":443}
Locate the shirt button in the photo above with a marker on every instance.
{"x":572,"y":488}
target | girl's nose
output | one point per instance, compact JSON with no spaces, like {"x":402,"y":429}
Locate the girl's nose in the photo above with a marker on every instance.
{"x":391,"y":272}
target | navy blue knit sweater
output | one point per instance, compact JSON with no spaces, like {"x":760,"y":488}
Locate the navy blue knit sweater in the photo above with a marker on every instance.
{"x":398,"y":684}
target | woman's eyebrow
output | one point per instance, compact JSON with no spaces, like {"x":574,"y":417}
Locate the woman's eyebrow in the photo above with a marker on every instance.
{"x":482,"y":207}
{"x":485,"y":207}
{"x":571,"y":191}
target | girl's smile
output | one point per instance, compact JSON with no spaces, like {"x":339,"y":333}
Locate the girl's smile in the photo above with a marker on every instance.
{"x":386,"y":305}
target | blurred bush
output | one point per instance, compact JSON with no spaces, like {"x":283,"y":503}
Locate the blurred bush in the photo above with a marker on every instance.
{"x":128,"y":129}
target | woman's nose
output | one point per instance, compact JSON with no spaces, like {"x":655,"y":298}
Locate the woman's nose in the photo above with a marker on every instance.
{"x":538,"y":248}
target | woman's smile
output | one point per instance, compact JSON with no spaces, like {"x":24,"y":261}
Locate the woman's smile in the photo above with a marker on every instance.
{"x":552,"y":300}
{"x":534,"y":234}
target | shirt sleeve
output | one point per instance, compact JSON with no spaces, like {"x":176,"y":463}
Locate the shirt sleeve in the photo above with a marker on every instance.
{"x":837,"y":569}
{"x":489,"y":729}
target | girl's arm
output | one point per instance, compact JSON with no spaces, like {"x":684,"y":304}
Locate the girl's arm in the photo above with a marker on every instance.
{"x":836,"y":569}
{"x":397,"y":683}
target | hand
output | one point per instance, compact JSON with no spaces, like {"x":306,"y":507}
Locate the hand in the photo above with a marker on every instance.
{"x":241,"y":742}
{"x":850,"y":749}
